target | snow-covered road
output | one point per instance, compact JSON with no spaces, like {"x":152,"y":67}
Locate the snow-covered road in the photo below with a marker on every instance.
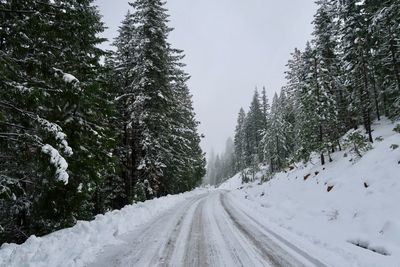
{"x":206,"y":230}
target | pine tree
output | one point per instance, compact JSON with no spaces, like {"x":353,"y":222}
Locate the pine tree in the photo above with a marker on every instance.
{"x":122,"y":64}
{"x":356,"y":46}
{"x":254,"y":127}
{"x":240,"y":141}
{"x":188,"y":167}
{"x":161,"y":145}
{"x":295,"y":76}
{"x":143,"y":58}
{"x":385,"y":29}
{"x":311,"y":138}
{"x":265,"y":108}
{"x":288,"y":126}
{"x":274,"y":138}
{"x":323,"y":85}
{"x":112,"y":189}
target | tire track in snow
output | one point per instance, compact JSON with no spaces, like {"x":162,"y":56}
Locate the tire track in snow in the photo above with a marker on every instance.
{"x":207,"y":230}
{"x":255,"y":231}
{"x":196,"y":248}
{"x":171,"y":246}
{"x":241,"y":251}
{"x":151,"y":244}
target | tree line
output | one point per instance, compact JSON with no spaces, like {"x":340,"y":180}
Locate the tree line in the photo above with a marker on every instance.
{"x":348,"y":75}
{"x":78,"y":137}
{"x":221,"y":167}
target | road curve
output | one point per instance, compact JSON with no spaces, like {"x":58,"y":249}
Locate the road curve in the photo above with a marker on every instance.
{"x":206,"y":230}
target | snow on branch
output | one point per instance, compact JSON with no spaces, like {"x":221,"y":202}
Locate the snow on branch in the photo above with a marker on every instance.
{"x":58,"y":162}
{"x":58,"y":134}
{"x":20,"y":87}
{"x":56,"y":159}
{"x":67,"y":77}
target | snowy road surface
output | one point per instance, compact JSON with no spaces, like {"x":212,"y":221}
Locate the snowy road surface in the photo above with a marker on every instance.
{"x":207,"y":230}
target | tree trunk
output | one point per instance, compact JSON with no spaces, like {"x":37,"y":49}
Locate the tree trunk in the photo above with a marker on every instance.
{"x":128,"y":165}
{"x":135,"y":157}
{"x":329,"y":156}
{"x":321,"y":133}
{"x":365,"y":101}
{"x":377,"y":110}
{"x":277,"y":154}
{"x":369,"y":130}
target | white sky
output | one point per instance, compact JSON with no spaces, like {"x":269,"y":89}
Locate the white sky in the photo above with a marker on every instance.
{"x":231,"y":47}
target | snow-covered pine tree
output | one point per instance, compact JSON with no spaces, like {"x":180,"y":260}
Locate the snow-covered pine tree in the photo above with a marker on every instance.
{"x":123,"y":63}
{"x":112,"y":190}
{"x":160,"y":138}
{"x":274,"y":141}
{"x":20,"y":139}
{"x":188,"y":166}
{"x":265,"y":107}
{"x":286,"y":105}
{"x":82,"y":111}
{"x":326,"y":72}
{"x":311,"y":138}
{"x":385,"y":30}
{"x":240,"y":141}
{"x":254,"y":128}
{"x":295,"y":77}
{"x":356,"y":49}
{"x":142,"y":57}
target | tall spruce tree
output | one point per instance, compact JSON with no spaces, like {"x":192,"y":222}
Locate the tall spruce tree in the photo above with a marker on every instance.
{"x":240,"y":140}
{"x":274,"y":138}
{"x":254,"y":127}
{"x":160,"y":140}
{"x":265,"y":107}
{"x":188,"y":167}
{"x":327,"y":71}
{"x":385,"y":31}
{"x":356,"y":47}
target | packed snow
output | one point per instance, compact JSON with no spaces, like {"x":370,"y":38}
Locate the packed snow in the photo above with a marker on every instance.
{"x":347,"y":211}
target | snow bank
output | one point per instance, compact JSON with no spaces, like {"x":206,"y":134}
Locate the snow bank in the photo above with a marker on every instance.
{"x":78,"y":245}
{"x":356,"y":223}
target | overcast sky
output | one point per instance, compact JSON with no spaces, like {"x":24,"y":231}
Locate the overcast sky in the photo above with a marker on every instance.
{"x":231,"y":47}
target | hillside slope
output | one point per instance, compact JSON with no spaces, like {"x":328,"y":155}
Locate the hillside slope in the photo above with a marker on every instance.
{"x":356,"y":223}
